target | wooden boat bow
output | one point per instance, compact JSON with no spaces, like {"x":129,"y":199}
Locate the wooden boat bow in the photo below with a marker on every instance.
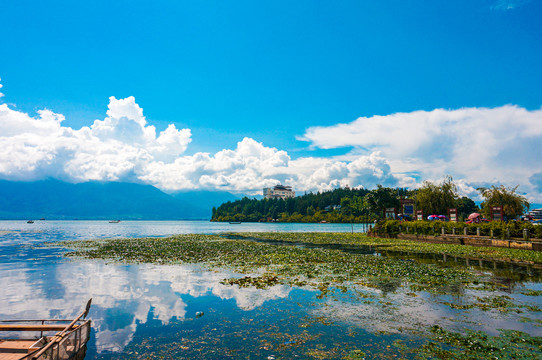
{"x":67,"y":344}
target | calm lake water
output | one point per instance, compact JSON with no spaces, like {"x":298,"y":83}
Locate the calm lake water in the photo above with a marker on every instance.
{"x":142,"y":311}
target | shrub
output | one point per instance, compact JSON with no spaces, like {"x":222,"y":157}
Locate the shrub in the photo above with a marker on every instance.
{"x":394,"y":227}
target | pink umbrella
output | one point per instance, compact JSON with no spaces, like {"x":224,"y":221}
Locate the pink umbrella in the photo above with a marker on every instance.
{"x":473,"y":216}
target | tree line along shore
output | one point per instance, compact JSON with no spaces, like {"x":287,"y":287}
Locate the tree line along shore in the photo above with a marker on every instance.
{"x":360,"y":205}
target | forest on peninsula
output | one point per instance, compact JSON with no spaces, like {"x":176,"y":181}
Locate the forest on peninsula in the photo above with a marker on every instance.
{"x":359,"y":205}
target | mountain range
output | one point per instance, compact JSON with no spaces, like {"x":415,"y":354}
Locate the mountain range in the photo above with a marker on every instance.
{"x":54,"y":199}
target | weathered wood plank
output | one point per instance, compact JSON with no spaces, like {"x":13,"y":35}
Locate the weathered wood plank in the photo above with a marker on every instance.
{"x":16,"y":344}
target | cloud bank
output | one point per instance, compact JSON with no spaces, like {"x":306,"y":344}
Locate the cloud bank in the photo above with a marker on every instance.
{"x":124,"y":147}
{"x":478,"y":146}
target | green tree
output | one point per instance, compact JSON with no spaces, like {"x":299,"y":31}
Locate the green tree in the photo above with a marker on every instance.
{"x":290,"y":205}
{"x":513,"y":204}
{"x":465,"y":206}
{"x":437,"y":198}
{"x":379,"y":199}
{"x":358,"y":206}
{"x":346,"y":206}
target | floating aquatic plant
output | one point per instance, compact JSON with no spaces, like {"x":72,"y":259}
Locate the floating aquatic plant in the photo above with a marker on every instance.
{"x":337,"y":263}
{"x":510,"y":344}
{"x":315,"y":258}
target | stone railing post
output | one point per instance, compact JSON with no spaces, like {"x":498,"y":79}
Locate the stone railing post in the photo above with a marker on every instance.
{"x":491,"y":233}
{"x":453,"y":231}
{"x":443,"y":231}
{"x":477,"y":231}
{"x":526,"y":234}
{"x":465,"y":231}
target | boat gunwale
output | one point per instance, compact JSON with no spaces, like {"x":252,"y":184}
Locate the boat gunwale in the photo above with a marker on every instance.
{"x":36,"y":320}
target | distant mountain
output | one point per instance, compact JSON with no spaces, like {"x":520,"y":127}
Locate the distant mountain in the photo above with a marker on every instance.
{"x":53,"y":199}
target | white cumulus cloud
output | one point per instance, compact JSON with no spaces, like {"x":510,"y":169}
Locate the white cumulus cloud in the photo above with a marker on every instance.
{"x":116,"y":148}
{"x":124,"y":147}
{"x":251,"y":166}
{"x":477,"y":145}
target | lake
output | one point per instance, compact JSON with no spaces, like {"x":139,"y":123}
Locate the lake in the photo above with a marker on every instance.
{"x":149,"y":311}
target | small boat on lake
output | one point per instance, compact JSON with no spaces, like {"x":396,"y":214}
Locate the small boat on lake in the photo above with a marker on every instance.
{"x":114,"y":221}
{"x":235,"y":222}
{"x":45,"y":339}
{"x":30,"y":222}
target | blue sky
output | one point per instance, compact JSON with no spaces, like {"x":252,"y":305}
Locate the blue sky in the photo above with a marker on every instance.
{"x":281,"y":74}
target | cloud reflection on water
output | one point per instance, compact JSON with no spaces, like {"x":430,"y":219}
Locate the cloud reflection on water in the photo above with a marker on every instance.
{"x":124,"y":296}
{"x":400,"y":312}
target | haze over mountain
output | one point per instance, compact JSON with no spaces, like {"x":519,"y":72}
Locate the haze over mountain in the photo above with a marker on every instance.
{"x":53,"y":199}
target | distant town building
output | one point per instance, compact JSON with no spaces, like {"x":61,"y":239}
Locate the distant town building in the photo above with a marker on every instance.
{"x":278,"y":192}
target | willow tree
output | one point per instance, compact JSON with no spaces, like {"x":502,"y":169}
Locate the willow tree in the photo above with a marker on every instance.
{"x":513,"y":203}
{"x":437,"y":198}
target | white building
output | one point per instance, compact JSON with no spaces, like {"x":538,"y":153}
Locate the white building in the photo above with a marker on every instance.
{"x":536,"y":214}
{"x":278,"y":192}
